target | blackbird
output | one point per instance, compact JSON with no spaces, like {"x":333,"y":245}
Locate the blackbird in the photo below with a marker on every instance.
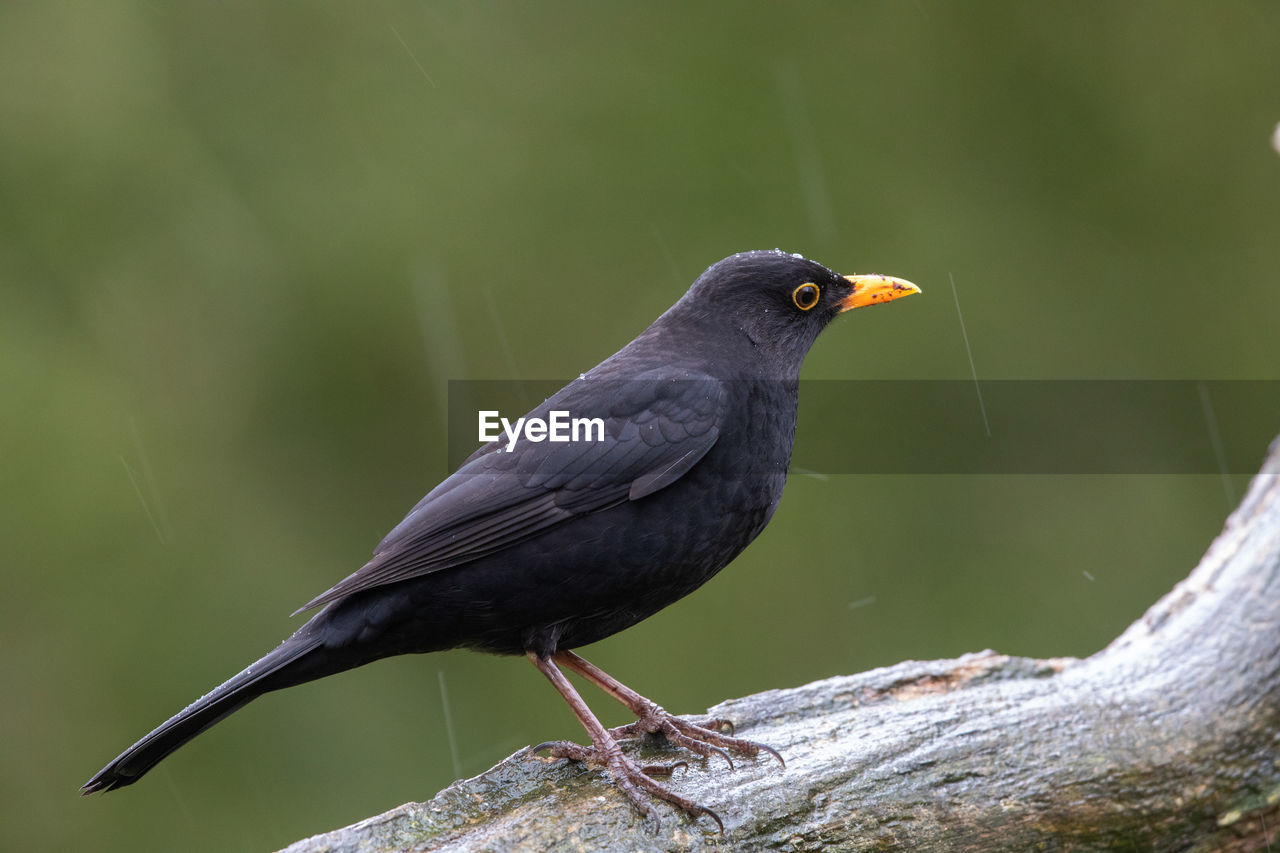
{"x":537,"y":548}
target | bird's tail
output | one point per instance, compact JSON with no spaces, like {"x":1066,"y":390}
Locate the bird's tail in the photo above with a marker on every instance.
{"x":300,"y":658}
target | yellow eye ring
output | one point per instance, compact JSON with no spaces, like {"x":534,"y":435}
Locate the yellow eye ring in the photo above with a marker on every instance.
{"x":806,"y":296}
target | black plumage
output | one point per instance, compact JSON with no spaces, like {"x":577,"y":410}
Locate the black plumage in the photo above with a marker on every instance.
{"x":542,"y":548}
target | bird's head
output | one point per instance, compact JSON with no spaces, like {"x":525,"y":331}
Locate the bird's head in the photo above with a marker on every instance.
{"x":782,"y":301}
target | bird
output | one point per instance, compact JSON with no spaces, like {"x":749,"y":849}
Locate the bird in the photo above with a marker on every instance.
{"x":538,"y":548}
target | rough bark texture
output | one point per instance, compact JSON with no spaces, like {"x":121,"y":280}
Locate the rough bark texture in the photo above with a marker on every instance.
{"x":1168,"y":740}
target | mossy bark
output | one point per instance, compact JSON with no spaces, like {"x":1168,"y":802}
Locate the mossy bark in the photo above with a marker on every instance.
{"x":1168,"y":739}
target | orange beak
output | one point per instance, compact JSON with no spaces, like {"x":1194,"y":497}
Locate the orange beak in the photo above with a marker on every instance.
{"x":872,"y":289}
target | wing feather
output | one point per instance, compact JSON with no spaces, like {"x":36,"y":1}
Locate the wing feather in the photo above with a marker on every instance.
{"x":656,"y":430}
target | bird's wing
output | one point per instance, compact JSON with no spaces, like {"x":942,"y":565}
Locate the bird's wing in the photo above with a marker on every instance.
{"x":655,"y":429}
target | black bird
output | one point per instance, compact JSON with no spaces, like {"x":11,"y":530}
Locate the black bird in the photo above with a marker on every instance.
{"x":538,"y":548}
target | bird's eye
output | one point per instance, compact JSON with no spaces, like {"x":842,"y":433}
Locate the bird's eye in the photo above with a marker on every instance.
{"x":806,"y":296}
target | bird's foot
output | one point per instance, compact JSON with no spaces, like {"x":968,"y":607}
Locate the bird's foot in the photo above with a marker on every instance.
{"x":590,"y":755}
{"x":631,"y":778}
{"x":704,"y":738}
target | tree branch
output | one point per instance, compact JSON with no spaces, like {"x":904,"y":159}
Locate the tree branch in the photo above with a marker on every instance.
{"x":1168,"y":739}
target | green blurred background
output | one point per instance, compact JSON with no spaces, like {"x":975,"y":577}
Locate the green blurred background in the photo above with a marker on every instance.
{"x":245,"y":246}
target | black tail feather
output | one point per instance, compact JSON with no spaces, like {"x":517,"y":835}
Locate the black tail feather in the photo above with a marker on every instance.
{"x":284,"y":666}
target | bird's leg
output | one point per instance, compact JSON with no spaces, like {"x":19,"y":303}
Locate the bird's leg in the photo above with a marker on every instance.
{"x":627,"y":775}
{"x":703,"y":739}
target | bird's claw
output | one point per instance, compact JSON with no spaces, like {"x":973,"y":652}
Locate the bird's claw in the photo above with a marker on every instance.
{"x":567,"y":749}
{"x":590,"y":755}
{"x":722,"y":725}
{"x":664,"y":771}
{"x":704,"y":738}
{"x":631,"y":777}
